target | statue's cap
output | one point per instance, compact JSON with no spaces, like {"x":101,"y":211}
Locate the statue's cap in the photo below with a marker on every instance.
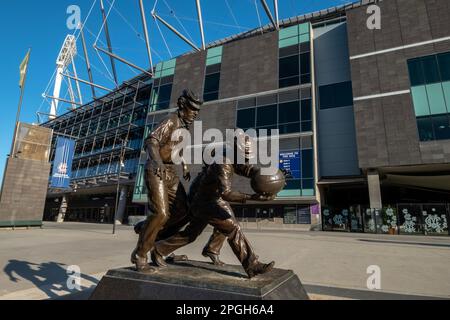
{"x":191,"y":100}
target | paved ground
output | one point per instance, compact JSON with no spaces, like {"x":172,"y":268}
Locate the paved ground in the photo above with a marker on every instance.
{"x":331,"y":265}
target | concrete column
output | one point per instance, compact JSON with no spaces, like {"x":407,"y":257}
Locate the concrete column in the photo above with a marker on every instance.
{"x":373,"y":180}
{"x":62,"y":209}
{"x":122,"y":204}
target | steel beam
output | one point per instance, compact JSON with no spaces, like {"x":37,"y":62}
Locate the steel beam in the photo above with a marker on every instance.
{"x":86,"y":82}
{"x":86,"y":58}
{"x":63,"y":100}
{"x":108,"y":41}
{"x":114,"y":56}
{"x":175,"y":31}
{"x":269,"y":14}
{"x":275,"y":5}
{"x":76,"y":82}
{"x":144,"y":26}
{"x":200,"y":23}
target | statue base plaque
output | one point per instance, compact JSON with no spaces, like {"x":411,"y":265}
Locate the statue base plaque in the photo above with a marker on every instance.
{"x":193,"y":280}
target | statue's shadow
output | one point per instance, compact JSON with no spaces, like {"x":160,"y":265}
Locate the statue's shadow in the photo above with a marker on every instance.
{"x":49,"y":277}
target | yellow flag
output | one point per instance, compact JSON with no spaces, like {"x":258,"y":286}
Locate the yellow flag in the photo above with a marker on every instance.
{"x":23,"y":69}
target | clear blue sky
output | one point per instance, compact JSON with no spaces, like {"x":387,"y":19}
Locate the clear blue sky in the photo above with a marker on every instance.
{"x":42,"y":26}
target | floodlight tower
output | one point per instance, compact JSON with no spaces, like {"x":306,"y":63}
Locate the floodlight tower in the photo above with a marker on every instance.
{"x":65,"y":57}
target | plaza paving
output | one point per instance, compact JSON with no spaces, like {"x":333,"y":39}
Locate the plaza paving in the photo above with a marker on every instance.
{"x":331,"y":265}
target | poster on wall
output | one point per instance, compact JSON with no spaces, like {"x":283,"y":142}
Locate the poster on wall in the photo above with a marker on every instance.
{"x":290,"y":215}
{"x":62,"y":165}
{"x":303,"y":215}
{"x":290,"y":161}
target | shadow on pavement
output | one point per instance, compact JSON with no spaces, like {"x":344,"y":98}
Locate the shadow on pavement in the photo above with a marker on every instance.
{"x":49,"y":277}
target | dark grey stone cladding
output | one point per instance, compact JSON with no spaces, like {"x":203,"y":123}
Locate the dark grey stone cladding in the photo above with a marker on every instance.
{"x":249,"y":66}
{"x":386,"y":127}
{"x":189,"y":73}
{"x":24,"y":190}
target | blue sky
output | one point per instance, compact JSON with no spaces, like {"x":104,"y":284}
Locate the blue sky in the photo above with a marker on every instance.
{"x":42,"y":26}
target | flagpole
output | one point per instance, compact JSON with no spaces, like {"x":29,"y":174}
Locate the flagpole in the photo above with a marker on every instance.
{"x":19,"y":107}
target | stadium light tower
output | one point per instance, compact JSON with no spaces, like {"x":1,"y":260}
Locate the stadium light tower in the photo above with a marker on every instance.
{"x":65,"y":57}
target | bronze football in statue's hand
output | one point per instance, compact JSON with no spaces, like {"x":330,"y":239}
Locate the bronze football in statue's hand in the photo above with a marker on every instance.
{"x":269,"y":185}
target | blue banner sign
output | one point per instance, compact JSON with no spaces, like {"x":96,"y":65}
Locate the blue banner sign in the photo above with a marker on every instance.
{"x":290,"y":161}
{"x":62,"y":165}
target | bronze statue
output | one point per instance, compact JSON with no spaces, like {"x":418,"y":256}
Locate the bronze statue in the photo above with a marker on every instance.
{"x":166,"y":195}
{"x":211,"y":194}
{"x":212,"y":247}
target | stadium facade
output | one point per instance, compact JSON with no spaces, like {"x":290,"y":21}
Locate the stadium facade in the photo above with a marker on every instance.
{"x":363,"y":115}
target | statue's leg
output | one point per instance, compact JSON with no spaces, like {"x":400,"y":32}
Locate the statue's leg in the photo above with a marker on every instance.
{"x":182,"y":238}
{"x":238,"y":242}
{"x":158,"y":204}
{"x":178,"y":207}
{"x":213,"y":247}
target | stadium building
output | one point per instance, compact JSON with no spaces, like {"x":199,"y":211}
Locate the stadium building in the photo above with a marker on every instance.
{"x":363,"y":115}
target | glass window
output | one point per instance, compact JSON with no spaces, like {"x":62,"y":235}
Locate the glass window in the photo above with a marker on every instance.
{"x":446,"y":88}
{"x":425,"y":127}
{"x":292,"y":41}
{"x":305,"y":78}
{"x":430,"y":68}
{"x":246,"y":118}
{"x":214,"y":60}
{"x":436,"y":98}
{"x":289,"y":67}
{"x":441,"y":127}
{"x":416,"y":72}
{"x":293,"y":184}
{"x":304,"y":38}
{"x":214,"y":52}
{"x":306,"y":126}
{"x":420,"y":100}
{"x":289,"y":128}
{"x":305,"y":65}
{"x":267,"y":116}
{"x":308,"y":183}
{"x":444,"y":66}
{"x":306,"y":110}
{"x":288,"y":82}
{"x":212,"y":82}
{"x":303,"y":28}
{"x":307,"y":164}
{"x":305,"y":47}
{"x":288,"y":51}
{"x":211,"y":96}
{"x":336,"y":95}
{"x":165,"y":93}
{"x":213,"y":68}
{"x":288,"y":32}
{"x":289,"y":112}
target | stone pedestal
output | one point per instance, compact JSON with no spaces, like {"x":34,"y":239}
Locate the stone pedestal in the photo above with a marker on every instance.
{"x":192,"y":280}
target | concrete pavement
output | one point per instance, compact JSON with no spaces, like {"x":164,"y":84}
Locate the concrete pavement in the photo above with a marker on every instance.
{"x":331,"y":265}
